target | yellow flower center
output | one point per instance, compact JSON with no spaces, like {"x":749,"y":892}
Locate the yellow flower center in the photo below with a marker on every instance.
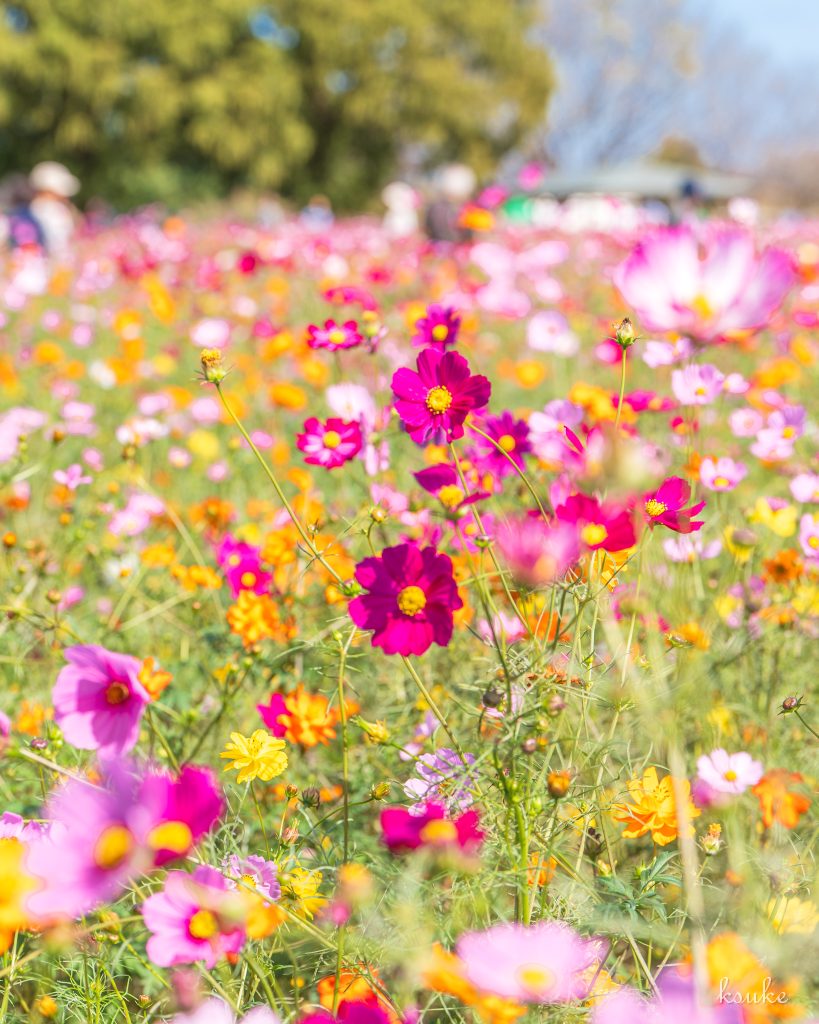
{"x":702,"y":306}
{"x":593,"y":533}
{"x":451,"y":495}
{"x":535,"y":979}
{"x":117,"y":693}
{"x":203,"y":925}
{"x":730,"y":775}
{"x":788,"y":432}
{"x":412,"y":600}
{"x":507,"y":442}
{"x":439,"y":832}
{"x":813,"y":542}
{"x":248,"y":881}
{"x":721,"y":481}
{"x":655,"y":508}
{"x":233,"y":561}
{"x":332,"y":439}
{"x":248,"y":579}
{"x":112,"y":847}
{"x":336,"y":336}
{"x":440,"y":332}
{"x":439,"y":399}
{"x":171,"y":835}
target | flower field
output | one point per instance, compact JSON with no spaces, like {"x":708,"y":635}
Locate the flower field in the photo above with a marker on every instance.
{"x":394,"y":633}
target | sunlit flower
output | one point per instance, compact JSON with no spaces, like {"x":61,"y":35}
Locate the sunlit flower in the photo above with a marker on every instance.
{"x":777,"y":801}
{"x":652,"y":808}
{"x":259,"y":756}
{"x":434,"y":400}
{"x":329,"y":444}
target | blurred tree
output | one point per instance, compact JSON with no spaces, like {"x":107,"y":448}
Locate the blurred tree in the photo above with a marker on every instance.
{"x":146,"y":99}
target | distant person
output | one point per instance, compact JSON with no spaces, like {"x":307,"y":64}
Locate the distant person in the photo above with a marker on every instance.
{"x":53,"y":186}
{"x":318,"y":214}
{"x":401,"y":216}
{"x":455,"y":184}
{"x":21,"y":229}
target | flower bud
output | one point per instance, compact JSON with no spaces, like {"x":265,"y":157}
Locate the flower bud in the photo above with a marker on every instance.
{"x":310,"y":796}
{"x":624,"y":333}
{"x":558,"y":783}
{"x":212,"y":369}
{"x":380,"y":791}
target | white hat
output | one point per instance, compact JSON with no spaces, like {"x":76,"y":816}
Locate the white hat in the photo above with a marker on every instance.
{"x":50,"y":176}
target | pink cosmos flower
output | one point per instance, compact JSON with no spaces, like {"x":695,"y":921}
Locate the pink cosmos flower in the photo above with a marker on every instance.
{"x":329,"y":444}
{"x":256,"y":875}
{"x":410,"y":600}
{"x":805,"y":487}
{"x":510,"y":434}
{"x":438,"y":328}
{"x":98,"y":700}
{"x":272,"y":714}
{"x":690,"y":549}
{"x":675,"y":1003}
{"x":434,"y":400}
{"x":442,"y":777}
{"x":605,"y":526}
{"x":195,"y":918}
{"x":443,"y":481}
{"x":352,"y":1012}
{"x":697,"y":385}
{"x":537,"y":553}
{"x":217,"y":1011}
{"x":745,"y":422}
{"x":241,"y":564}
{"x":100,"y":839}
{"x":809,"y":535}
{"x":542,"y":963}
{"x":72,"y":477}
{"x":722,"y":474}
{"x":549,"y":331}
{"x":509,"y":628}
{"x":334,"y":336}
{"x":666,"y":507}
{"x":403,"y":830}
{"x":727,"y":289}
{"x":722,"y":774}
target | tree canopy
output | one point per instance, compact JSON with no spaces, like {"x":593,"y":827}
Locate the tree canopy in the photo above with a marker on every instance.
{"x":145,"y":99}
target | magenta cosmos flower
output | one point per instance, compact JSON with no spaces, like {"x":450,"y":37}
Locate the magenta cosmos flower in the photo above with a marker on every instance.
{"x":196,"y":918}
{"x":241,"y":564}
{"x":100,"y":839}
{"x":509,"y":434}
{"x":722,"y":474}
{"x":536,"y":552}
{"x":402,"y":829}
{"x":272,"y":714}
{"x":605,"y":526}
{"x":410,"y":600}
{"x":98,"y":700}
{"x":437,"y":328}
{"x":334,"y":336}
{"x":672,"y":286}
{"x":666,"y":507}
{"x":434,"y":400}
{"x":543,"y":963}
{"x":329,"y":444}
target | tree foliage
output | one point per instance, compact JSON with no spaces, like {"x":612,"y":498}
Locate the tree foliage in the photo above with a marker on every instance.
{"x":148,"y":99}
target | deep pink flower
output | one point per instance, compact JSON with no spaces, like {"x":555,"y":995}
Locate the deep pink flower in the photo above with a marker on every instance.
{"x":329,"y":444}
{"x":536,"y":552}
{"x":100,"y":839}
{"x":435,"y":400}
{"x":98,"y":700}
{"x":334,"y":336}
{"x":510,"y":434}
{"x":438,"y":328}
{"x":443,"y":481}
{"x":195,"y":918}
{"x":272,"y":714}
{"x":241,"y":564}
{"x":666,"y":507}
{"x":410,"y":600}
{"x":542,"y":963}
{"x":402,"y":829}
{"x":728,"y":289}
{"x":605,"y":526}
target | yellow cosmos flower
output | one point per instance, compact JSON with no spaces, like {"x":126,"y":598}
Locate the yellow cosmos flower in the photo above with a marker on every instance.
{"x":15,"y":885}
{"x":652,"y":808}
{"x":781,"y":521}
{"x":303,"y":885}
{"x":260,"y":756}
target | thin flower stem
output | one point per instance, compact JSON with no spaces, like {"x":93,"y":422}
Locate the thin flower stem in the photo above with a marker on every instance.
{"x":622,"y":391}
{"x":433,"y":706}
{"x":515,"y":466}
{"x":261,"y":819}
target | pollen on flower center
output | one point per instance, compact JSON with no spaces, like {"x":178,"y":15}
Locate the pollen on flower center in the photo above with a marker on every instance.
{"x":440,"y":332}
{"x":438,"y":399}
{"x":593,"y":533}
{"x":332,"y":439}
{"x":175,"y":836}
{"x":412,"y":600}
{"x":439,"y":832}
{"x":112,"y":847}
{"x":507,"y":442}
{"x":203,"y":925}
{"x":336,"y":336}
{"x":730,"y":775}
{"x":534,"y":978}
{"x":117,"y":693}
{"x":655,"y":508}
{"x":248,"y":881}
{"x":721,"y":481}
{"x":247,"y":579}
{"x":450,"y":495}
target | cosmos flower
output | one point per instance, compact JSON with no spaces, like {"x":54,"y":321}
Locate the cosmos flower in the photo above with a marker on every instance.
{"x":72,"y":477}
{"x":98,"y":700}
{"x":329,"y":444}
{"x":722,"y":474}
{"x":260,"y":756}
{"x":652,"y":808}
{"x":666,"y":507}
{"x":15,"y":885}
{"x":686,"y":548}
{"x":508,"y":433}
{"x":722,"y":774}
{"x":541,"y":963}
{"x":272,"y":714}
{"x":443,"y":481}
{"x":728,"y":289}
{"x":217,"y":1011}
{"x":537,"y":553}
{"x":435,"y":399}
{"x":675,"y":1003}
{"x":697,"y":385}
{"x":605,"y":526}
{"x":241,"y":564}
{"x":402,"y":829}
{"x":334,"y":336}
{"x":443,"y":777}
{"x":805,"y":487}
{"x":256,"y":874}
{"x":778,"y":802}
{"x":437,"y":328}
{"x":809,"y":536}
{"x":196,"y":918}
{"x":549,"y":331}
{"x":410,"y":598}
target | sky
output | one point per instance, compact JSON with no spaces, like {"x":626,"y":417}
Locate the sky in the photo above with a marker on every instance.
{"x":788,"y":30}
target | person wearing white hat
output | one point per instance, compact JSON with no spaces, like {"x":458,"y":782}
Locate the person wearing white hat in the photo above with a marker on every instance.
{"x":53,"y":186}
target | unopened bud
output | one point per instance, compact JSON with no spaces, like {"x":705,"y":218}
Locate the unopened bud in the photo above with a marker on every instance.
{"x":380,"y":791}
{"x":212,"y":368}
{"x":310,"y":797}
{"x":558,"y":783}
{"x":624,"y":333}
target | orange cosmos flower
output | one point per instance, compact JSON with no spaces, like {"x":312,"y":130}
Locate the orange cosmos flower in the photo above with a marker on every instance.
{"x":255,"y":617}
{"x":652,"y":808}
{"x":311,"y":720}
{"x":777,"y":802}
{"x":153,"y":678}
{"x":735,"y":971}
